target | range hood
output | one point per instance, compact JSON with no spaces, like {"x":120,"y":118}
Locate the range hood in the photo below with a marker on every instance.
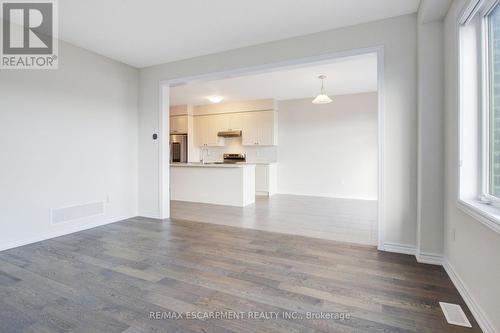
{"x":230,"y":134}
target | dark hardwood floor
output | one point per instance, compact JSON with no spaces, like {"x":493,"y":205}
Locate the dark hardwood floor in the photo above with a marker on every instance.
{"x":110,"y":279}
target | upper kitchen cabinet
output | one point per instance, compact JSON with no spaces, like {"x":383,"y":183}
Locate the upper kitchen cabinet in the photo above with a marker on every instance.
{"x":178,"y":124}
{"x":206,"y":129}
{"x":230,"y":121}
{"x":257,"y":121}
{"x":259,"y":128}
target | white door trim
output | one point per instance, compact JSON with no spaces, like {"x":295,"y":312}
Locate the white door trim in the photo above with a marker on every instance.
{"x":164,"y":152}
{"x":164,"y":86}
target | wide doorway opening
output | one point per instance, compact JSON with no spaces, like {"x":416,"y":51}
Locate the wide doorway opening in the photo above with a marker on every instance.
{"x":290,"y":149}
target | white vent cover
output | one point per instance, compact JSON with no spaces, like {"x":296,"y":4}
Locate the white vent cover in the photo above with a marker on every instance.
{"x":60,"y":215}
{"x":454,"y":314}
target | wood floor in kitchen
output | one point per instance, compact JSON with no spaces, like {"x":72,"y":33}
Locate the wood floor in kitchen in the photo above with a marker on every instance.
{"x":345,"y":220}
{"x":110,"y":279}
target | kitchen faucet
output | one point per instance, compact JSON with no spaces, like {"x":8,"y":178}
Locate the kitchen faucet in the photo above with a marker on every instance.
{"x":203,"y":149}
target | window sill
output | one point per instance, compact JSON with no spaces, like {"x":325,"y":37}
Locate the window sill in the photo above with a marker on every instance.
{"x":486,"y":214}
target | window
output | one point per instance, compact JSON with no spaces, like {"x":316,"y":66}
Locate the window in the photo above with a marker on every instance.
{"x":479,"y":131}
{"x":492,"y":106}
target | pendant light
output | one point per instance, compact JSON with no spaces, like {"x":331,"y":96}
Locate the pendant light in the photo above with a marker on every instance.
{"x":322,"y":98}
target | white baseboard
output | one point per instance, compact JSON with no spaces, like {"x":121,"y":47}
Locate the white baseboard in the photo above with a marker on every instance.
{"x":400,"y":248}
{"x":429,"y":258}
{"x":150,"y":214}
{"x":473,"y":306}
{"x":58,"y":233}
{"x":438,"y":259}
{"x":323,"y":195}
{"x":422,"y":257}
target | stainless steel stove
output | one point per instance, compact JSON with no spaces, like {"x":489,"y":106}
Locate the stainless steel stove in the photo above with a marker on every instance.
{"x":234,"y":158}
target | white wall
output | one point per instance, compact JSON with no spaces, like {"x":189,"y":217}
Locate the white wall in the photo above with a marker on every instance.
{"x":471,"y":249}
{"x":329,"y":150}
{"x":430,"y":138}
{"x":67,"y":137}
{"x":397,"y":35}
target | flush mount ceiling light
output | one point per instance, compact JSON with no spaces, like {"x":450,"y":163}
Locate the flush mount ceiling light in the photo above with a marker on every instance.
{"x":322,"y":98}
{"x":215,"y":99}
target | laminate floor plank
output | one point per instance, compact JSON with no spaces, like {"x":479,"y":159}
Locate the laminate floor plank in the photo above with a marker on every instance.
{"x":347,"y":220}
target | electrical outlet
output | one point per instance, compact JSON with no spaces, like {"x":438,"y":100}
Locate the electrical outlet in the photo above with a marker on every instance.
{"x":108,"y":199}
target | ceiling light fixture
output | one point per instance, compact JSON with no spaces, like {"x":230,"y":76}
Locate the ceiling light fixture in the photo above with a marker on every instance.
{"x":322,"y":98}
{"x":215,"y":99}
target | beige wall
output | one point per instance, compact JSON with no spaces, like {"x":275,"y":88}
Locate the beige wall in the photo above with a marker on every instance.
{"x":396,"y":35}
{"x":472,"y":249}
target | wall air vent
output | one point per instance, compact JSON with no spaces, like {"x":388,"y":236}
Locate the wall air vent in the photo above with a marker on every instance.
{"x":60,"y":215}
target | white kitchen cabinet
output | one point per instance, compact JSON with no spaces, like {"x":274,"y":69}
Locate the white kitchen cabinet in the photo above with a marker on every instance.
{"x":249,"y":129}
{"x":235,"y":121}
{"x":178,"y":124}
{"x":229,"y":121}
{"x":207,"y":127}
{"x":205,"y":131}
{"x":198,"y":131}
{"x":259,"y":128}
{"x":267,"y":133}
{"x":265,"y":179}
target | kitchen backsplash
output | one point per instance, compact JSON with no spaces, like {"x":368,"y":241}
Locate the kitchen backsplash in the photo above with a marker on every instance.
{"x":259,"y":154}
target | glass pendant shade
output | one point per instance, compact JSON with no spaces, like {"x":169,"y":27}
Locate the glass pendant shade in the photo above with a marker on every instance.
{"x":322,"y":98}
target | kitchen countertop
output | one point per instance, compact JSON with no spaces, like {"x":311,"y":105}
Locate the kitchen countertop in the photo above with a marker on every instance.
{"x":262,"y":163}
{"x":212,"y":165}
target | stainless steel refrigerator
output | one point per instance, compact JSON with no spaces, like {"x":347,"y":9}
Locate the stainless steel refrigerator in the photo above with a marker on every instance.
{"x":178,"y":148}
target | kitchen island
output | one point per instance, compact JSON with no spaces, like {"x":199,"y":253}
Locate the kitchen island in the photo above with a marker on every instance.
{"x":219,"y":184}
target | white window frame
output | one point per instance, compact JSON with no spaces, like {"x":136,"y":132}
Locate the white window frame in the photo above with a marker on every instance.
{"x":486,"y":111}
{"x":486,"y":81}
{"x":483,"y":206}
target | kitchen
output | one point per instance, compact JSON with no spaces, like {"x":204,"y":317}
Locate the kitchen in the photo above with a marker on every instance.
{"x":291,"y":151}
{"x":244,"y":132}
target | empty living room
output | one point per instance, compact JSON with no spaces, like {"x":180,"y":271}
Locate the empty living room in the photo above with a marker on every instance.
{"x":250,"y":166}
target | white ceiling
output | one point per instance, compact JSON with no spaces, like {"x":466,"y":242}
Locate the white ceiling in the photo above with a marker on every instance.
{"x":433,"y":10}
{"x":144,"y":33}
{"x":344,"y":76}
